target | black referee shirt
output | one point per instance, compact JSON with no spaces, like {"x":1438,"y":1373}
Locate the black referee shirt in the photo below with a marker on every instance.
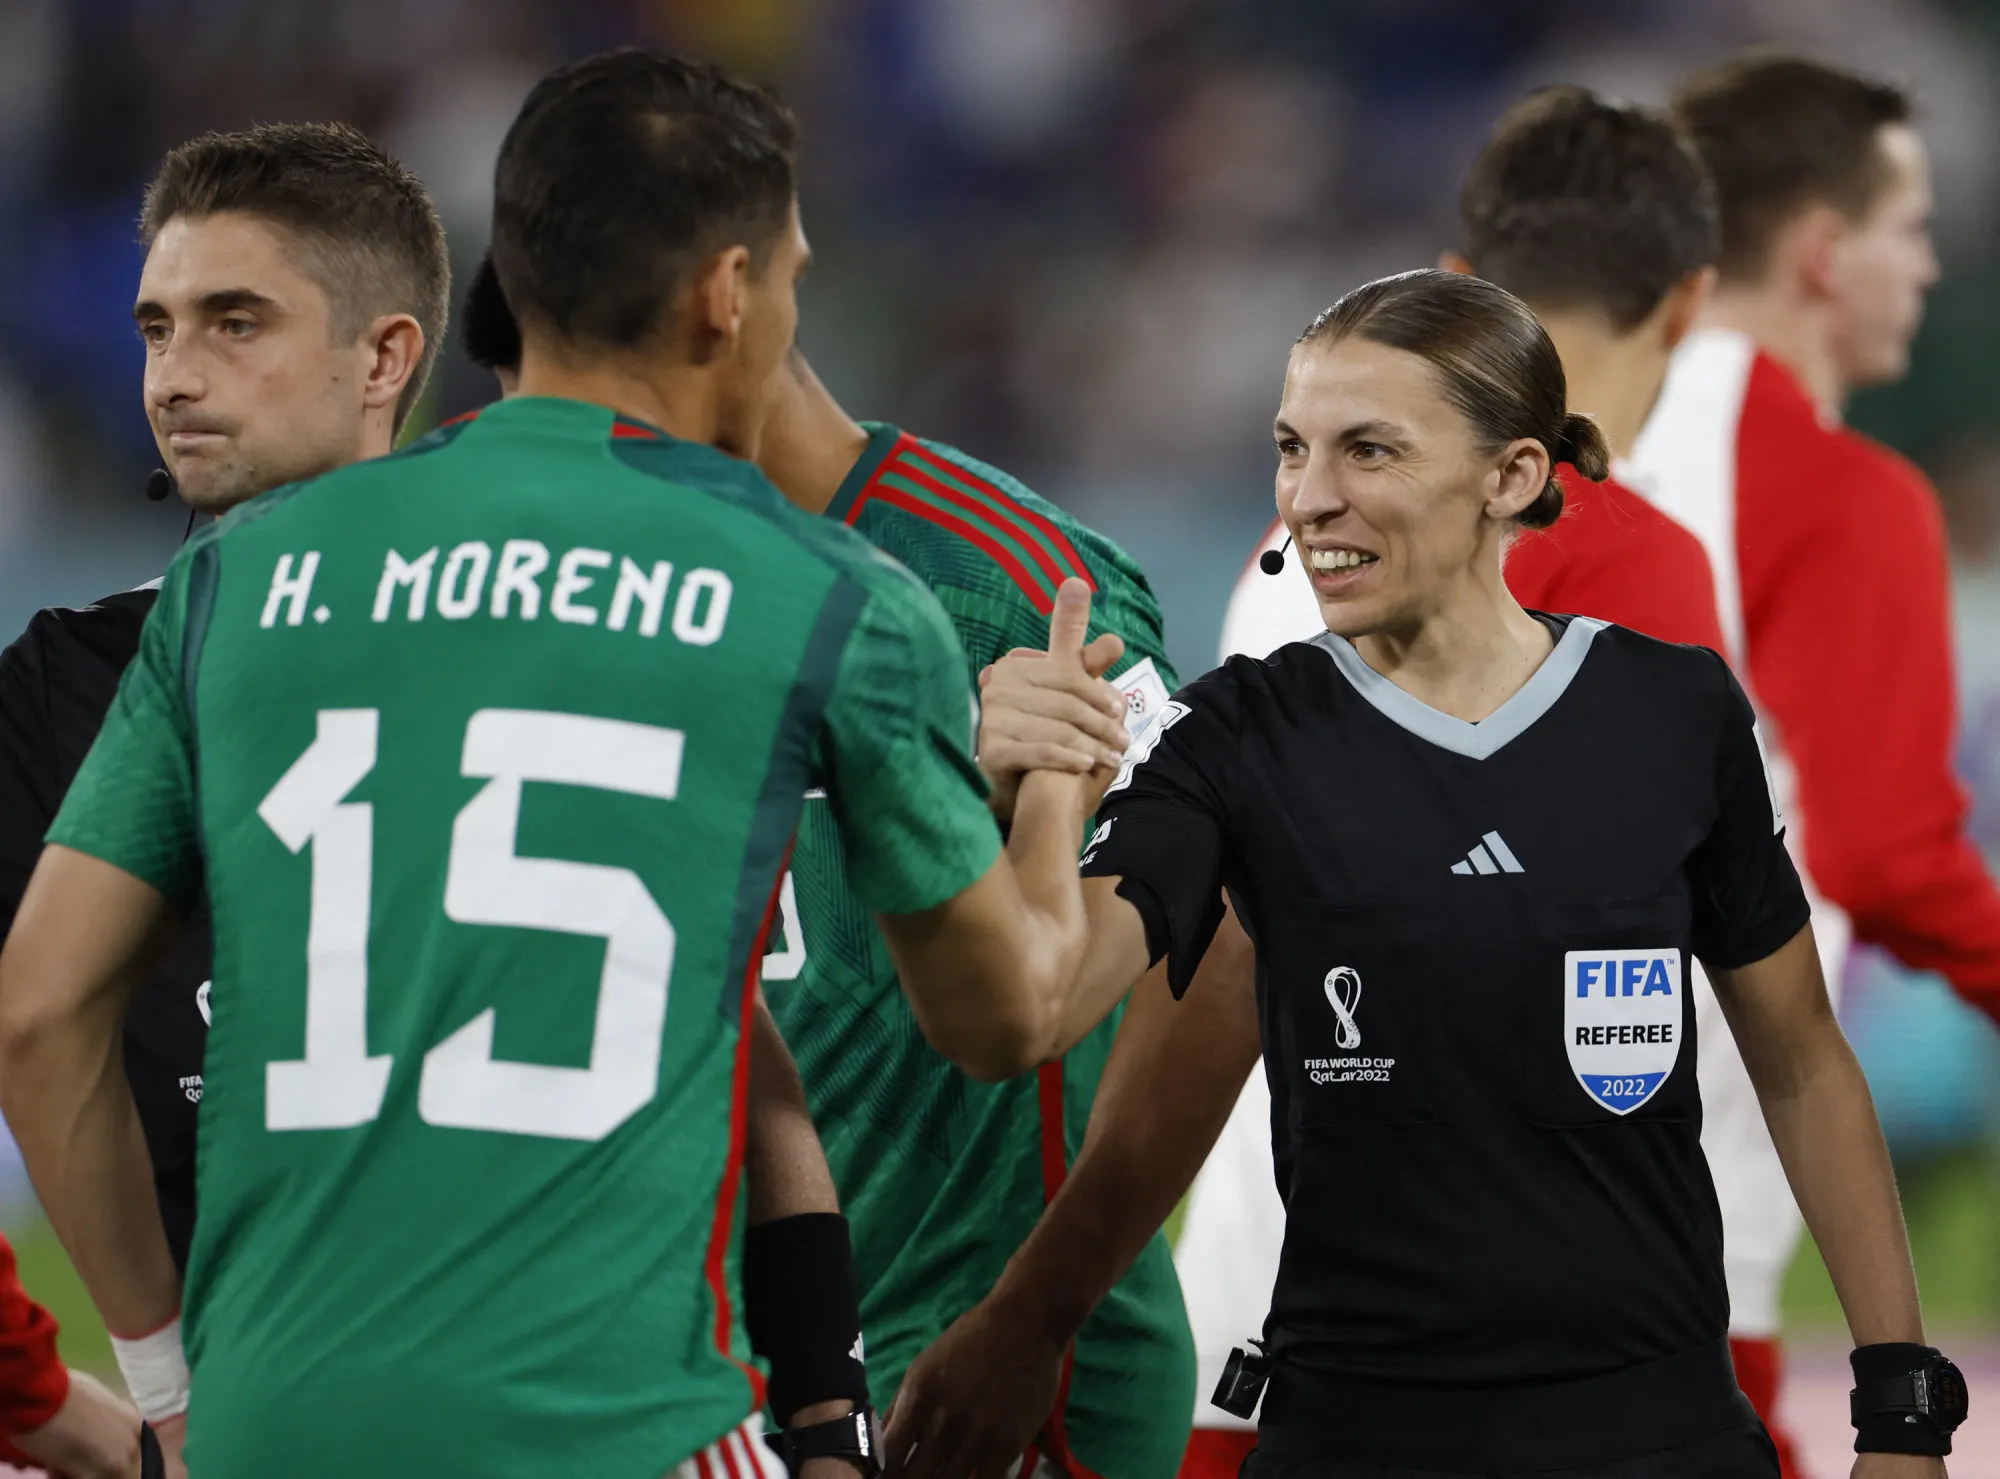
{"x":56,"y":685}
{"x":1473,"y":946}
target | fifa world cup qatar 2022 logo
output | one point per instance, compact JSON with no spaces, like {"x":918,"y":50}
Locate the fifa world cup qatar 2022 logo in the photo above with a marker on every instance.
{"x":1343,"y":994}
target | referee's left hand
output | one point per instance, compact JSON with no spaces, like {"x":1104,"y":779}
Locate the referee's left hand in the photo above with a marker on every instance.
{"x":1897,"y":1466}
{"x":1052,"y":710}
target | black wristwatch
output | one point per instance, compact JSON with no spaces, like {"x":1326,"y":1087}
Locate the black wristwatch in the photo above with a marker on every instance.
{"x":1906,"y":1399}
{"x":853,"y":1438}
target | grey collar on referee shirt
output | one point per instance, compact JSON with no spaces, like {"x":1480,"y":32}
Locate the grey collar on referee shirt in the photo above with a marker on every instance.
{"x":1488,"y":736}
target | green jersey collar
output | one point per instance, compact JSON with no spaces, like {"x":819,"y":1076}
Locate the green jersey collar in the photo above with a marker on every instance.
{"x":585,"y":418}
{"x":882,"y":439}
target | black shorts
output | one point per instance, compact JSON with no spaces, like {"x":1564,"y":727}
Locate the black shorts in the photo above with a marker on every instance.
{"x":1743,"y":1454}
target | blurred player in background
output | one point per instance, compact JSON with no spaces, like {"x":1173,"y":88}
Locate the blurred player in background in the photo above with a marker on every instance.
{"x":942,"y":1176}
{"x":291,"y":305}
{"x":1830,"y":566}
{"x":423,"y":1247}
{"x":1602,"y":218}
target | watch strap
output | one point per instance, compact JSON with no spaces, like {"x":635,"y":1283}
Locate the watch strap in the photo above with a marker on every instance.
{"x":851,"y":1438}
{"x":1891,"y":1394}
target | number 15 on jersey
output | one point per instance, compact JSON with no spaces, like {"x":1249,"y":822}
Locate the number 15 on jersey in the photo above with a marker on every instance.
{"x":338,"y":1084}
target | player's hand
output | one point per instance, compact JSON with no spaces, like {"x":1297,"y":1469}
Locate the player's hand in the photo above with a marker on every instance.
{"x":95,"y":1435}
{"x":1052,"y":710}
{"x":973,"y":1402}
{"x":1897,"y":1466}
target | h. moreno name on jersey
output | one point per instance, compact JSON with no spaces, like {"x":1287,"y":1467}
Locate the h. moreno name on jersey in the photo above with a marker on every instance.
{"x":471,"y":579}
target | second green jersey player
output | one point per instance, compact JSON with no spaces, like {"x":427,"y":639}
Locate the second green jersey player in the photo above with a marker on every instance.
{"x":943,"y":1177}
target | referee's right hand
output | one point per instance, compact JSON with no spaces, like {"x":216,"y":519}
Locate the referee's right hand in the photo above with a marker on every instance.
{"x":1052,"y":710}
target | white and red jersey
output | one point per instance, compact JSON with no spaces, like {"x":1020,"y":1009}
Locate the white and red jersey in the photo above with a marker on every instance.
{"x":1832,"y":581}
{"x":1831,"y":572}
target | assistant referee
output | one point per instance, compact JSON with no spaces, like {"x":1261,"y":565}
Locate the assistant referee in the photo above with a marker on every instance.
{"x":1476,"y":847}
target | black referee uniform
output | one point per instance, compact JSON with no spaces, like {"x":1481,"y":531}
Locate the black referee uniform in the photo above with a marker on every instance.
{"x":56,"y":685}
{"x":1502,"y":1249}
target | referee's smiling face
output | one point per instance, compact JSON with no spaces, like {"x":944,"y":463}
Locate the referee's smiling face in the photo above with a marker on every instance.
{"x":1383,"y":487}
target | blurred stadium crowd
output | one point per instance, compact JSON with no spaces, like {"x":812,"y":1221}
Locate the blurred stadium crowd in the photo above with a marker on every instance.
{"x":1072,"y":236}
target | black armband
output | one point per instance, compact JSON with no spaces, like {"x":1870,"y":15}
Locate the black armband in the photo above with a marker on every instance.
{"x":801,"y":1311}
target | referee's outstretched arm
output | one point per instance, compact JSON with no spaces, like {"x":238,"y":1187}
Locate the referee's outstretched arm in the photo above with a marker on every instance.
{"x":1822,"y":1121}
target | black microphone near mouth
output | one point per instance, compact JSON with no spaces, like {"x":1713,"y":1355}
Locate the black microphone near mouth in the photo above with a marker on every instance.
{"x":159,"y":485}
{"x":1272,"y":561}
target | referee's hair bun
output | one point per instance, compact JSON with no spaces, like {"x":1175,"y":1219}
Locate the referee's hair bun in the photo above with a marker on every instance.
{"x":1546,"y":508}
{"x":1581,"y":444}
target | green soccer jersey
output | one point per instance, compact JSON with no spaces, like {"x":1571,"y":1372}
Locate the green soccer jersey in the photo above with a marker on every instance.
{"x":943,"y":1177}
{"x":488,"y":755}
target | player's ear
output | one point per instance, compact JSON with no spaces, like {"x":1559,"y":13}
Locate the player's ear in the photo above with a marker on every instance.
{"x":721,"y":292}
{"x":1810,"y":248}
{"x":396,"y":345}
{"x":1452,"y":261}
{"x":1682,"y":306}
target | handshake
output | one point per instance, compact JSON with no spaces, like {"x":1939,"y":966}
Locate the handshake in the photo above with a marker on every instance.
{"x":1053,"y":710}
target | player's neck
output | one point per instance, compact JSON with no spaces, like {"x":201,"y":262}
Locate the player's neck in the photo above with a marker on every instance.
{"x":378,"y":434}
{"x":1794,"y":332}
{"x":810,"y":444}
{"x":680,"y":400}
{"x":1467,"y":658}
{"x":1613,"y":378}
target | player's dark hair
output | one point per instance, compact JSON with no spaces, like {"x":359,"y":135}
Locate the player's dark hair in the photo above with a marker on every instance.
{"x":486,"y":325}
{"x":1579,"y":202}
{"x":1492,"y":358}
{"x":622,"y":172}
{"x":365,"y":225}
{"x":1781,"y":133}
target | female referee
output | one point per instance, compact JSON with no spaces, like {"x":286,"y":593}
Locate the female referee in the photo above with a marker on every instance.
{"x":1475,"y":847}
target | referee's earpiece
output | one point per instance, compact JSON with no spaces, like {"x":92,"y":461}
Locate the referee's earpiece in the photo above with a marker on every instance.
{"x":1273,"y":560}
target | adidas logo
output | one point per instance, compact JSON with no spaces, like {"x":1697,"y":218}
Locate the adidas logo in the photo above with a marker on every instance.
{"x":1491,"y":856}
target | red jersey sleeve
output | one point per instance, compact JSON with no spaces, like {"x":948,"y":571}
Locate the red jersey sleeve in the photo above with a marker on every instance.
{"x":34,"y":1383}
{"x":1614,"y":556}
{"x":1850,"y":653}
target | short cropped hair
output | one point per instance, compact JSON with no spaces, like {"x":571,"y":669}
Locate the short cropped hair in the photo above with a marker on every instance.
{"x":1781,"y":133}
{"x":366,"y":228}
{"x":622,"y":172}
{"x":1580,"y":202}
{"x":486,"y":325}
